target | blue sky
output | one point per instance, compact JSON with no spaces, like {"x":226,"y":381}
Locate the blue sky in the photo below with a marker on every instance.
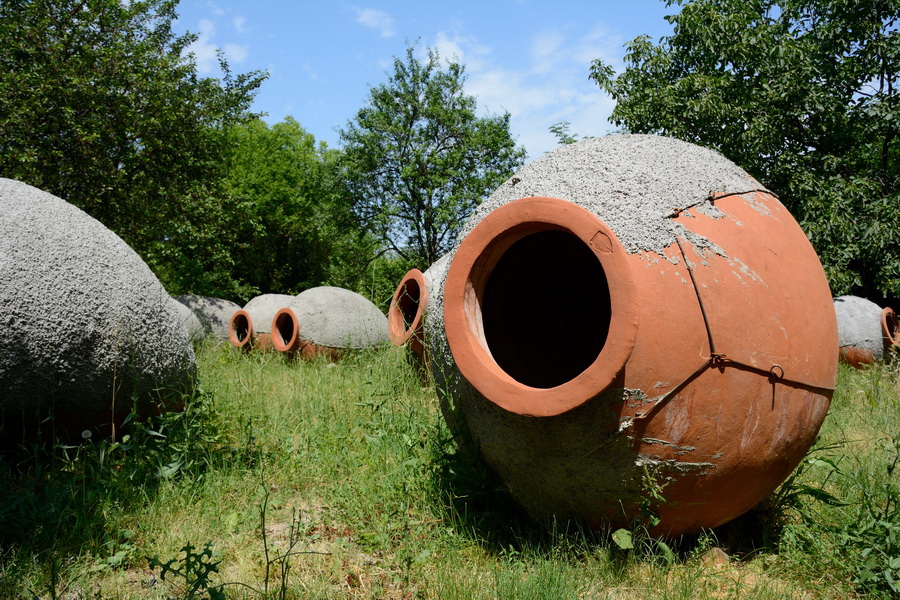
{"x":526,"y":57}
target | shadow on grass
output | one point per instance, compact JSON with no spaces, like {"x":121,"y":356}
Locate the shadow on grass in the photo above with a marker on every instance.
{"x":61,"y":500}
{"x":477,"y":504}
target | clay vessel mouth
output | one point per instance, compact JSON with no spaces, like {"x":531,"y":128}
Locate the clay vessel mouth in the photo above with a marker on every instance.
{"x":407,"y":307}
{"x":240,"y":329}
{"x":285,"y":330}
{"x":890,"y":328}
{"x":539,"y":306}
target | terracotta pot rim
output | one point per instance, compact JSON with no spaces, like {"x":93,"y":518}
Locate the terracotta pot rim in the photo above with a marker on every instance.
{"x":397,"y":329}
{"x":281,"y":342}
{"x":471,"y":267}
{"x":890,"y":327}
{"x":247,"y":341}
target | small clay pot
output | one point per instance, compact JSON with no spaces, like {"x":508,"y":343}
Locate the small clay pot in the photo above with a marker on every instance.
{"x":250,"y":327}
{"x":328,"y":321}
{"x":406,"y":314}
{"x":864,"y":330}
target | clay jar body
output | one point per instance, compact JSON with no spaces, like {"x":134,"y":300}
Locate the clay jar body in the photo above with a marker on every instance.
{"x":251,"y":327}
{"x":214,"y":314}
{"x":328,"y":321}
{"x":603,"y":351}
{"x":91,"y":334}
{"x":865,"y":330}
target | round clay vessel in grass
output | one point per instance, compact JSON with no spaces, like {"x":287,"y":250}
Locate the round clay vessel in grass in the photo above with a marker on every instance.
{"x":861,"y":330}
{"x":90,"y":333}
{"x":406,"y":315}
{"x":214,"y":313}
{"x":328,"y":321}
{"x":632,"y":324}
{"x":251,"y":326}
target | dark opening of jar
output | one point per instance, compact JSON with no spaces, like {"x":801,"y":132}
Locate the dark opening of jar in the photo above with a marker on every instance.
{"x":546,"y":309}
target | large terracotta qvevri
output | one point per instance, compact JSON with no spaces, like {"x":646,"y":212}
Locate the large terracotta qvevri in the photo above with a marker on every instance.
{"x":634,"y":316}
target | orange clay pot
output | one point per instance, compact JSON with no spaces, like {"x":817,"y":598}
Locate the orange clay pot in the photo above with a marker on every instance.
{"x":593,"y":378}
{"x":240,"y":330}
{"x":250,"y":327}
{"x":866,"y":332}
{"x":406,"y":315}
{"x":286,"y":338}
{"x":330,"y":321}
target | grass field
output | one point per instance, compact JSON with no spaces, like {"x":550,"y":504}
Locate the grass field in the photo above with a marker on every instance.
{"x":314,"y":480}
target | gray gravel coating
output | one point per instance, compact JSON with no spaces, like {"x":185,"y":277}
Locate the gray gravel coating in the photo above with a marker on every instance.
{"x":188,"y":319}
{"x":214,"y":313}
{"x":437,"y":271}
{"x":81,"y":312}
{"x":262,"y":310}
{"x":859,"y":324}
{"x":339,"y":318}
{"x":630,"y":181}
{"x":434,"y":281}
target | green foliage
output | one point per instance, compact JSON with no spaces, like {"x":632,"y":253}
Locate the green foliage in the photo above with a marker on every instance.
{"x":862,"y":534}
{"x":418,"y":159}
{"x":840,"y":511}
{"x":99,"y":106}
{"x":296,"y":229}
{"x":803,"y":94}
{"x":561,"y":131}
{"x":322,"y":480}
{"x":67,"y":497}
{"x":379,"y":281}
{"x":194,"y":571}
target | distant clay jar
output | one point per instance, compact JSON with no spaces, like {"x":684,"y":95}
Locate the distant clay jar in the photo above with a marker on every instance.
{"x":251,"y":326}
{"x":409,"y":305}
{"x":328,"y":321}
{"x":865,"y":330}
{"x":214,"y":314}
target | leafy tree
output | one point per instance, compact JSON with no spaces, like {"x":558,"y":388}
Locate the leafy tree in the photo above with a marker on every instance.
{"x":418,"y":159}
{"x":100,"y":106}
{"x":561,"y":130}
{"x":297,"y":230}
{"x":803,"y":94}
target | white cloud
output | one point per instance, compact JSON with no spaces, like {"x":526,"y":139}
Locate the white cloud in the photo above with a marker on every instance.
{"x":206,"y":52}
{"x":311,"y":73}
{"x":239,"y":22}
{"x":203,"y":50}
{"x":462,"y":49}
{"x":545,"y":49}
{"x":376,"y":19}
{"x":235,"y":53}
{"x":548,"y":85}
